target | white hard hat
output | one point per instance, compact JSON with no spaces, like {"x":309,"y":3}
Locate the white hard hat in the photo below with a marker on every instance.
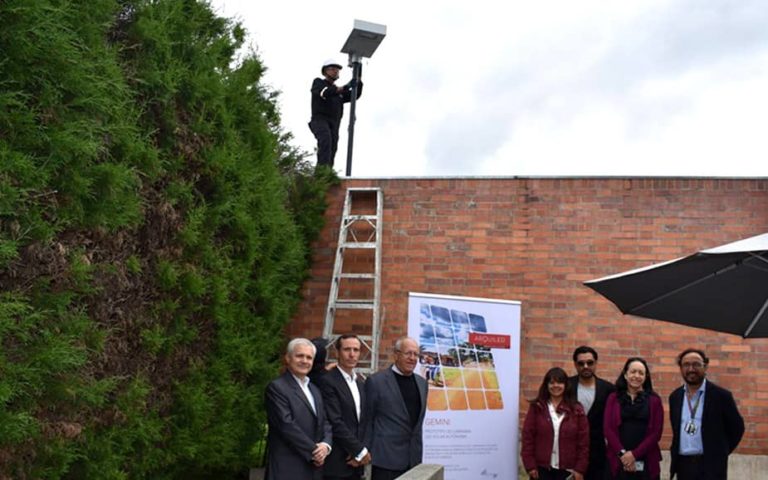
{"x":330,"y":63}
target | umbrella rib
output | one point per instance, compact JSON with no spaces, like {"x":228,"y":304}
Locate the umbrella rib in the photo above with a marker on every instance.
{"x":756,"y":267}
{"x":684,"y":287}
{"x":756,"y":319}
{"x":759,"y":257}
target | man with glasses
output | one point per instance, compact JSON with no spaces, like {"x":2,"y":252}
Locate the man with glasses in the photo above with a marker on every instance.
{"x":592,"y":393}
{"x":706,"y":424}
{"x":396,"y":400}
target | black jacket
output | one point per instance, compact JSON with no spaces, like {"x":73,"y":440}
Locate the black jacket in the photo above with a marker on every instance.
{"x":327,"y":102}
{"x":595,"y":417}
{"x":721,"y":430}
{"x":347,"y":429}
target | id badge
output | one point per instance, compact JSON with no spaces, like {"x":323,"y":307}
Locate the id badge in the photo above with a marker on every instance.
{"x":640,"y":466}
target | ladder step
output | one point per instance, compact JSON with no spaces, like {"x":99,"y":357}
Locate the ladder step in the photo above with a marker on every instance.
{"x":358,"y":245}
{"x":356,"y":218}
{"x":354,"y":304}
{"x":358,"y":275}
{"x":359,"y":229}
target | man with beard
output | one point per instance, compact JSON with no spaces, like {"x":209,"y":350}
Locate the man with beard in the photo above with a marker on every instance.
{"x":706,"y":424}
{"x":592,"y":393}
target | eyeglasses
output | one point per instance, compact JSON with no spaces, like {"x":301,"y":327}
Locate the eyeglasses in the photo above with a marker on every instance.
{"x":408,"y":354}
{"x":588,"y":363}
{"x":693,"y":365}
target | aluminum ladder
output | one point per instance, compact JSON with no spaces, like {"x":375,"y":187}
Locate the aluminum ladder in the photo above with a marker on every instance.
{"x":354,"y":296}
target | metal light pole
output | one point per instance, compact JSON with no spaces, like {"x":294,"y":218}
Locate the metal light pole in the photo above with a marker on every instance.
{"x":361,"y":43}
{"x":357,"y":71}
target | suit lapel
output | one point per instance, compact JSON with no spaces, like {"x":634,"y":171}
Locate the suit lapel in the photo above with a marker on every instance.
{"x":422,"y":386}
{"x":601,"y":390}
{"x":298,"y":392}
{"x":344,"y":387}
{"x":318,"y":397}
{"x":601,"y":393}
{"x":709,"y":400}
{"x":361,"y":389}
{"x":676,"y":409}
{"x":395,"y":389}
{"x":345,"y":392}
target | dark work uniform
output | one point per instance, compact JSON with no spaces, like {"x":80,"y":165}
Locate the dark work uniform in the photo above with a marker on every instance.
{"x":327,"y":110}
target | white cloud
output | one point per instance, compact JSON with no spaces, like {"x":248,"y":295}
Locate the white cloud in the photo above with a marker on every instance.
{"x":533,"y":88}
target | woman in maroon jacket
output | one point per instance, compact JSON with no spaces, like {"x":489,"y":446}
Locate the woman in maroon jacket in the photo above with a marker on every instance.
{"x":633,"y":421}
{"x":555,"y":432}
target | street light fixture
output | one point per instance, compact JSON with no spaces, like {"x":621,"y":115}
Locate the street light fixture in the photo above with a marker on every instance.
{"x":363,"y":40}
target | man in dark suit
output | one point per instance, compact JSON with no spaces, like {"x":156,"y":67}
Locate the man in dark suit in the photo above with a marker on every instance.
{"x":344,"y":396}
{"x":396,"y":400}
{"x":706,"y":424}
{"x":592,"y":392}
{"x":299,"y":438}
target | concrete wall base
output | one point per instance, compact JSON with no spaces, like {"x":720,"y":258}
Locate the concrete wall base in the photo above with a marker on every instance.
{"x":420,"y":472}
{"x":423,"y":472}
{"x":739,"y":466}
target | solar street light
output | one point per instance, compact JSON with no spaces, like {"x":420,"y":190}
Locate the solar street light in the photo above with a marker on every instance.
{"x":363,"y":40}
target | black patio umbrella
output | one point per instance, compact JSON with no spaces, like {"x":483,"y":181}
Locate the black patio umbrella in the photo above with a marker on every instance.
{"x":723,"y":289}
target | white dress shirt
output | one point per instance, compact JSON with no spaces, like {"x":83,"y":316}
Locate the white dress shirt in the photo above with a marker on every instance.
{"x":304,"y":386}
{"x":352,"y":384}
{"x":557,"y":419}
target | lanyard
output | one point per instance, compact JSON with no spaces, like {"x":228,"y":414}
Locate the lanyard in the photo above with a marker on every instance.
{"x":692,"y":409}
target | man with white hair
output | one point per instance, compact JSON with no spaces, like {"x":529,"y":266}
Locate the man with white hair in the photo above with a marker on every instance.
{"x":396,"y":400}
{"x":299,"y":437}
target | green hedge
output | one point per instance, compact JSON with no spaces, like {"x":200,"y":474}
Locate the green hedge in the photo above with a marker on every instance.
{"x":154,"y":234}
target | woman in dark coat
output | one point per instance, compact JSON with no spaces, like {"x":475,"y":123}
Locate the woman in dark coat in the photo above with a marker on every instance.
{"x":633,"y":422}
{"x":556,"y":431}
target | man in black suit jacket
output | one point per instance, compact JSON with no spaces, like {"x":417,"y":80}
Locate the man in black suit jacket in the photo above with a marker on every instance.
{"x":299,"y":438}
{"x":592,"y":392}
{"x":396,"y":400}
{"x":344,"y":396}
{"x":706,"y":424}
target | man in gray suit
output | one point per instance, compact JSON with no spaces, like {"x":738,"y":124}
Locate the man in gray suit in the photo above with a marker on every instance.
{"x":396,"y":400}
{"x":299,"y":436}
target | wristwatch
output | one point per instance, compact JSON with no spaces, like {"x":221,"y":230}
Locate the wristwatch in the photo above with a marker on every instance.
{"x":622,"y":452}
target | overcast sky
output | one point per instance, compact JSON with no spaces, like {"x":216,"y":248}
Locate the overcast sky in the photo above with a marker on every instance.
{"x":465,"y":88}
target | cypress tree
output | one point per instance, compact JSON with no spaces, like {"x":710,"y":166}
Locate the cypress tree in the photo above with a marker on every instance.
{"x":155,"y":225}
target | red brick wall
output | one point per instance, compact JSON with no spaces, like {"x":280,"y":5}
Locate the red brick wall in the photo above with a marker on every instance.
{"x":537,"y":240}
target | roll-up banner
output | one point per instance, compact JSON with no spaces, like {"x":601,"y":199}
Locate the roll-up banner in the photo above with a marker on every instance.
{"x":470,"y":356}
